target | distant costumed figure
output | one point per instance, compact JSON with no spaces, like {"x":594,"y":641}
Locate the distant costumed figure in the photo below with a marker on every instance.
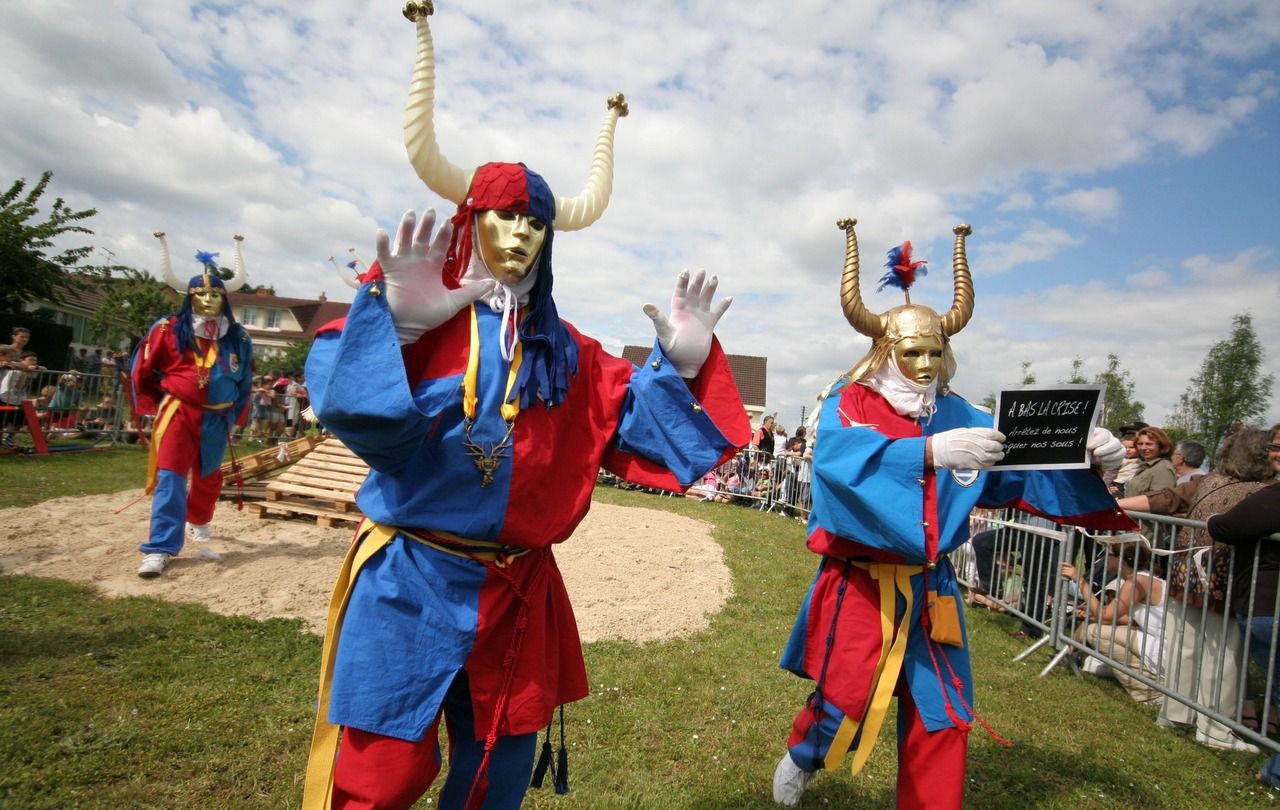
{"x":485,"y":419}
{"x":899,"y":461}
{"x":193,"y":373}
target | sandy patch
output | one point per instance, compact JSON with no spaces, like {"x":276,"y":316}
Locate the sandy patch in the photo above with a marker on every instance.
{"x":633,"y":574}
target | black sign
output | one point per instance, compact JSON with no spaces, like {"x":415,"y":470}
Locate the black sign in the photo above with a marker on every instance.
{"x":1046,"y":428}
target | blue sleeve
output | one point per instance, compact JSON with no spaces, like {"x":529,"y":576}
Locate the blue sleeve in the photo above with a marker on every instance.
{"x":358,"y":385}
{"x":867,"y":486}
{"x":663,"y":422}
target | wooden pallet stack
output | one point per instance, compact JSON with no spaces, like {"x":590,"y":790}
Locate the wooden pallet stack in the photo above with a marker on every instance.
{"x":321,"y":485}
{"x":256,"y":467}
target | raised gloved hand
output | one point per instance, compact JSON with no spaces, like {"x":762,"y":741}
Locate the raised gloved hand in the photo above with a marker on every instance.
{"x":413,"y":276}
{"x":967,"y":448}
{"x":1106,"y":448}
{"x":686,"y":335}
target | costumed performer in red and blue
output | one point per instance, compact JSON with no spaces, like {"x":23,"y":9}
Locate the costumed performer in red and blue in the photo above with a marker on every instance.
{"x":485,"y":419}
{"x":899,"y":462}
{"x":193,"y":373}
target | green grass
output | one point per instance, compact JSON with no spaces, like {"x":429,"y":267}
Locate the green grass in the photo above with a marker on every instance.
{"x":108,"y":703}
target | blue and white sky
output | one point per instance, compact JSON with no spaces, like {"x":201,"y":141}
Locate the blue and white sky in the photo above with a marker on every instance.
{"x":1119,"y":161}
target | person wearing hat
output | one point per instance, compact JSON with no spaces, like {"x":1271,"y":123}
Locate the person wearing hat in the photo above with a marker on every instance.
{"x":491,"y":420}
{"x":193,"y":373}
{"x":899,"y":462}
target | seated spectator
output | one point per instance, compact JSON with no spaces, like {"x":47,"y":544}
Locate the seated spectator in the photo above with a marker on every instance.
{"x":103,"y":417}
{"x":1245,"y":527}
{"x":64,"y":405}
{"x":1130,"y":627}
{"x":1188,"y":459}
{"x":1156,"y":472}
{"x":707,"y":489}
{"x":1203,"y":660}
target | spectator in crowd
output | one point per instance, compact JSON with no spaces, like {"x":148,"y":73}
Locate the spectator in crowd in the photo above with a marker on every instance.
{"x":1244,"y":528}
{"x":705,"y":490}
{"x":103,"y":417}
{"x":802,"y":434}
{"x":19,"y":337}
{"x":296,"y":393}
{"x":762,"y":439}
{"x":1203,"y":660}
{"x":1154,"y":449}
{"x":1188,"y":460}
{"x":1037,"y":556}
{"x":1128,"y":469}
{"x":262,"y":397}
{"x":65,"y":404}
{"x":13,"y":389}
{"x":1129,"y":628}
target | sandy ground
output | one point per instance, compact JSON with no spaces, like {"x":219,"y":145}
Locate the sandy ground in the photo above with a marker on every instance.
{"x":633,"y":574}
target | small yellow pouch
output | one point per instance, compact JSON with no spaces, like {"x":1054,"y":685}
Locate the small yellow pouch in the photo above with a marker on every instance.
{"x":944,"y":620}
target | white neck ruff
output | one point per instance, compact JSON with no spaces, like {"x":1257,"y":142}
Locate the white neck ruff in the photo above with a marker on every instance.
{"x":907,"y":398}
{"x":213,"y":328}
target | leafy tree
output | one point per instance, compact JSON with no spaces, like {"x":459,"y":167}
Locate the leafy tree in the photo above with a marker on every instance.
{"x":27,"y":268}
{"x":1077,"y":373}
{"x":1028,"y":376}
{"x":1229,"y":388}
{"x":1118,"y":407}
{"x":294,"y":356}
{"x":130,"y":304}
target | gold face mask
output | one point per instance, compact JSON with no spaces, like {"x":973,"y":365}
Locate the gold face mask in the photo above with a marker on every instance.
{"x":509,"y":243}
{"x":206,"y":301}
{"x":919,"y":358}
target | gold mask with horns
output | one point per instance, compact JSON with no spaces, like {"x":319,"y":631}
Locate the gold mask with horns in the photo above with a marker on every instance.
{"x":909,"y":320}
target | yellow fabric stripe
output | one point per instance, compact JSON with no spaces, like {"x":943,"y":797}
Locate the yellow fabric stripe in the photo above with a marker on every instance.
{"x":469,"y":380}
{"x":164,"y":414}
{"x":893,"y":649}
{"x":317,"y":792}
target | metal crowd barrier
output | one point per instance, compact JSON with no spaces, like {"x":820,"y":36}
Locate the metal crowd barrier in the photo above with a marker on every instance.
{"x":1196,"y":660}
{"x":776,"y":483}
{"x":70,"y":405}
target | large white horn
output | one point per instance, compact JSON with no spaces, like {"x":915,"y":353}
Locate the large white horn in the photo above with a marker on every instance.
{"x":436,"y":170}
{"x":350,"y":282}
{"x":166,"y":266}
{"x":576,"y":213}
{"x":239,"y":276}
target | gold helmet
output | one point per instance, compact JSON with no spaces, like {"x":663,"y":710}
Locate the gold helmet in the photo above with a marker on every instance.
{"x":908,"y":320}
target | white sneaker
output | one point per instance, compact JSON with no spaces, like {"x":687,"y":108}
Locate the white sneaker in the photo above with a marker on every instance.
{"x":153,"y":564}
{"x":789,"y":782}
{"x":199,"y":532}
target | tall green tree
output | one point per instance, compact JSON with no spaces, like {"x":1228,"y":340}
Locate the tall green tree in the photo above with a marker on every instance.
{"x":130,"y":304}
{"x":1230,"y":386}
{"x":294,"y":356}
{"x":29,"y":266}
{"x":1119,"y":406}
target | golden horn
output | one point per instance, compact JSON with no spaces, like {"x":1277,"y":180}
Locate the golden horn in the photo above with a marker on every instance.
{"x":962,"y":302}
{"x":860,"y":318}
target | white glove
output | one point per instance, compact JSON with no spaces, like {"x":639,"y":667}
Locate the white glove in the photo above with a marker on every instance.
{"x":967,"y":448}
{"x":686,"y":336}
{"x":414,"y":280}
{"x":1106,"y":448}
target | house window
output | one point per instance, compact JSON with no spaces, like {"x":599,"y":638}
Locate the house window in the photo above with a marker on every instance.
{"x":249,"y":317}
{"x":273,"y":318}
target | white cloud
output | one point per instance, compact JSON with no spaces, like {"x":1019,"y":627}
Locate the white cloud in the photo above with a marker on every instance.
{"x":1095,"y":204}
{"x":750,"y":134}
{"x":1037,"y":243}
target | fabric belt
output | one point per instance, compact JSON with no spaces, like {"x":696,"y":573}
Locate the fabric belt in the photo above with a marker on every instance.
{"x":893,"y":579}
{"x":370,"y":538}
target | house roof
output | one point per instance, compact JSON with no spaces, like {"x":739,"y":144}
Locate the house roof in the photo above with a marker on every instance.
{"x":749,"y":372}
{"x":310,"y":313}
